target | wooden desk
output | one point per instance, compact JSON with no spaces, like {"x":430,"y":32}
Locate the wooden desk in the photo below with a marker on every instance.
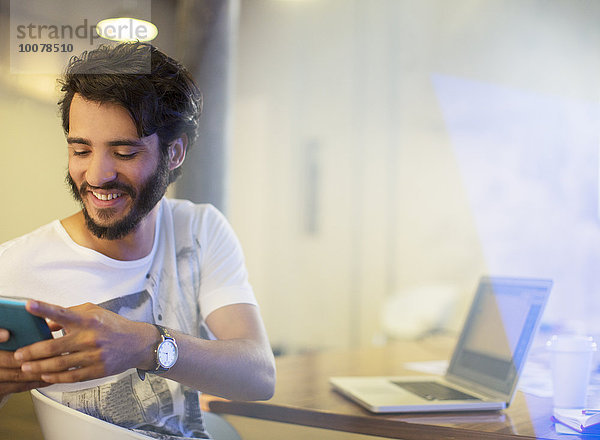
{"x":303,"y":396}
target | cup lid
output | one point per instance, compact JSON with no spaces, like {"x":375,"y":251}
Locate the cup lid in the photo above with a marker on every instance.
{"x":571,"y":343}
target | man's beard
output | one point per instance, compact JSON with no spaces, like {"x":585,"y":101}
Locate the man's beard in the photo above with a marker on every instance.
{"x":151,"y":191}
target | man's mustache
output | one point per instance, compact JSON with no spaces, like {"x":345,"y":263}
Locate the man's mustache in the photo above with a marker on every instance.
{"x":86,"y":187}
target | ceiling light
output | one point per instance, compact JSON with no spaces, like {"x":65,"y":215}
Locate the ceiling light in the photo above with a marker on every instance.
{"x":126,"y":29}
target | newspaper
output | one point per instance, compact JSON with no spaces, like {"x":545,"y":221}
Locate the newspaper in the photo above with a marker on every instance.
{"x":146,"y":406}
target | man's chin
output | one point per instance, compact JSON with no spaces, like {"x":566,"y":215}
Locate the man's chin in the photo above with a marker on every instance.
{"x":110,"y":230}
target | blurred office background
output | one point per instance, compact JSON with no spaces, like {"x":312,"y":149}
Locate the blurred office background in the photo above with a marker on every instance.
{"x":375,"y":157}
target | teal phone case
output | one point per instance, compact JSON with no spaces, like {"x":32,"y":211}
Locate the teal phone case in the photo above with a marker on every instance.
{"x":24,"y":328}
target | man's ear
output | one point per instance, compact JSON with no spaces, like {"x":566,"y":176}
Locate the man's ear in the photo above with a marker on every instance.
{"x":177,"y":150}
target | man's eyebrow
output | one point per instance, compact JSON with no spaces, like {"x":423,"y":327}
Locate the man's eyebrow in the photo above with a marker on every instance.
{"x":126,"y":142}
{"x":78,"y":140}
{"x":114,"y":143}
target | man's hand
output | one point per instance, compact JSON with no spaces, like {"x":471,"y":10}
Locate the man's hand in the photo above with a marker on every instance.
{"x":12,"y":378}
{"x":97,"y":343}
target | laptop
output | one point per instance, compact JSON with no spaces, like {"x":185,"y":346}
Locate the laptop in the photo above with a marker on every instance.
{"x":486,"y":363}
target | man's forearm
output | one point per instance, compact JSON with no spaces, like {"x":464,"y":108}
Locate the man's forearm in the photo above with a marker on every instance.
{"x":99,"y":343}
{"x":241,"y":369}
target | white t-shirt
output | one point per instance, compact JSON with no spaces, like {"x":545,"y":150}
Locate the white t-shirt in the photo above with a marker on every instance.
{"x":195,"y":267}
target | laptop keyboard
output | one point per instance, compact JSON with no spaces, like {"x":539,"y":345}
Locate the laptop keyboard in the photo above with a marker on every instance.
{"x":434,"y":391}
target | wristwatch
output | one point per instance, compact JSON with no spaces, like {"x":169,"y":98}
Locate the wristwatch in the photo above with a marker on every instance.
{"x":166,"y":353}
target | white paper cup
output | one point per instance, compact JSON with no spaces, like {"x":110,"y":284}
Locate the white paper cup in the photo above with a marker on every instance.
{"x":572,"y":357}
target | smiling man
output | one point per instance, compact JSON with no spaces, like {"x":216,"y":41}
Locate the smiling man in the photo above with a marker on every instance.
{"x":113,"y":208}
{"x":151,"y":294}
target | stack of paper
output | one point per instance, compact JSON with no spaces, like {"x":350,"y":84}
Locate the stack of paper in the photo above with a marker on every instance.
{"x":581,"y":421}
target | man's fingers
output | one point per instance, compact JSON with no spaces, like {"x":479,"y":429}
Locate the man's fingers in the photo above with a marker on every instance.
{"x":44,"y":349}
{"x":17,"y":375}
{"x":7,"y":360}
{"x":4,"y":335}
{"x":14,"y":387}
{"x":60,"y":315}
{"x":74,"y":375}
{"x":54,"y":326}
{"x":59,"y":364}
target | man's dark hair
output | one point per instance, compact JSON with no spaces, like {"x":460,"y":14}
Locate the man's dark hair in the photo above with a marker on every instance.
{"x":157,"y":91}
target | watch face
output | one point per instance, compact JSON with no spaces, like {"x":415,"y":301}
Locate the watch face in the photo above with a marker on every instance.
{"x":167,"y":353}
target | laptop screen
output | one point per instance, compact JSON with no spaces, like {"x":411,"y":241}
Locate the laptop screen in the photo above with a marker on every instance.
{"x":500,"y":327}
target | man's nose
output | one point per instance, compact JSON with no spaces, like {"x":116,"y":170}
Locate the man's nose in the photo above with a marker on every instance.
{"x":101,"y":170}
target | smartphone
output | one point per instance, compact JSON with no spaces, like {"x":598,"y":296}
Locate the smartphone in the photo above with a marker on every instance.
{"x":24,"y":328}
